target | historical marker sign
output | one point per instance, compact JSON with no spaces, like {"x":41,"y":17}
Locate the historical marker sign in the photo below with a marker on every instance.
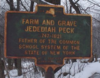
{"x":48,"y":35}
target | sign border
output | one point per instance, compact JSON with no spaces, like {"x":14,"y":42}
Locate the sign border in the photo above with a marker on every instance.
{"x":36,"y":9}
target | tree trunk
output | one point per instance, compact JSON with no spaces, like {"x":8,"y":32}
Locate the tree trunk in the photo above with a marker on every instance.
{"x":19,"y":67}
{"x":31,"y":6}
{"x":10,"y":63}
{"x":11,"y":5}
{"x":1,"y":69}
{"x":74,"y":6}
{"x":18,"y":5}
{"x":1,"y":65}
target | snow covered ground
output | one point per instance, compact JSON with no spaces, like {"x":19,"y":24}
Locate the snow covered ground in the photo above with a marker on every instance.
{"x":79,"y":70}
{"x":74,"y":70}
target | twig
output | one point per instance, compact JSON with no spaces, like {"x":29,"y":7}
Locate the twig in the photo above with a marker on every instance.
{"x":24,"y":6}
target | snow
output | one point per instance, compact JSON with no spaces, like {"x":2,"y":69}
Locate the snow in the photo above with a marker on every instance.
{"x":76,"y":69}
{"x":89,"y":70}
{"x":13,"y":72}
{"x":27,"y":71}
{"x":80,"y":70}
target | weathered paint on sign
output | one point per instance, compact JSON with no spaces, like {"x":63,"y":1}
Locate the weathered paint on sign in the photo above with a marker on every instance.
{"x":48,"y":35}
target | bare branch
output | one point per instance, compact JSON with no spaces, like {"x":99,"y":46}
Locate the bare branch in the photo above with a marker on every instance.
{"x":96,"y":19}
{"x":24,"y":6}
{"x":27,"y":3}
{"x":94,"y":3}
{"x":74,"y":6}
{"x":8,"y":2}
{"x":11,"y":5}
{"x":76,"y":1}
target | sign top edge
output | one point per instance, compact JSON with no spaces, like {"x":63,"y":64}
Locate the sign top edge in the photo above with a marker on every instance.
{"x":52,"y":6}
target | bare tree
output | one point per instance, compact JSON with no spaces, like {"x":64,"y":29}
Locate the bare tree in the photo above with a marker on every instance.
{"x":76,"y":7}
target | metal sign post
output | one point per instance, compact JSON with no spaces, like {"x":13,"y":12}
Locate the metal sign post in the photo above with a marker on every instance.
{"x":48,"y":35}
